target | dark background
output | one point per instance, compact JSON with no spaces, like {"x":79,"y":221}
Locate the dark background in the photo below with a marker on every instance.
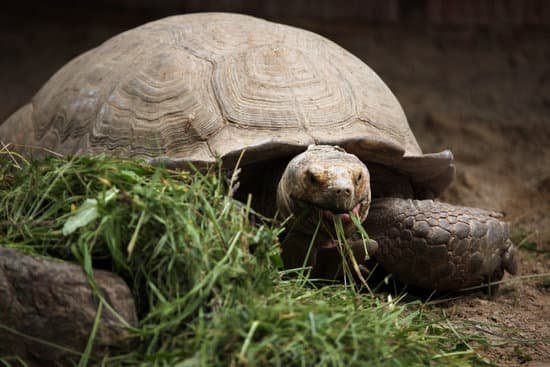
{"x":472,"y":76}
{"x":37,"y":37}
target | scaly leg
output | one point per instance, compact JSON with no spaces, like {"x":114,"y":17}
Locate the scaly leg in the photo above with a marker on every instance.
{"x":435,"y":245}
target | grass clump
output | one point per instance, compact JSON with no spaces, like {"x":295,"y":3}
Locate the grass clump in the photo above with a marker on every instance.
{"x":207,"y":283}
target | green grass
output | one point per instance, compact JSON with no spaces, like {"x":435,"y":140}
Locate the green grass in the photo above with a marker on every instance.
{"x":209,"y":286}
{"x":524,"y":241}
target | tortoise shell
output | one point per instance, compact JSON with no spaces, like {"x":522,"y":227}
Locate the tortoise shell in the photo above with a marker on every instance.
{"x":192,"y":88}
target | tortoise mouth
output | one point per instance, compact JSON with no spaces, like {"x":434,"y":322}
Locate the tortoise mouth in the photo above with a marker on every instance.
{"x":345,"y":217}
{"x":314,"y":214}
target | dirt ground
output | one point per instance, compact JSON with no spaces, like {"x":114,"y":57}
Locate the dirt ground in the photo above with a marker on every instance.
{"x":484,"y":95}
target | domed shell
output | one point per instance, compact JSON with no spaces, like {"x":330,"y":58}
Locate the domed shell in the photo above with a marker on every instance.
{"x":195,"y":87}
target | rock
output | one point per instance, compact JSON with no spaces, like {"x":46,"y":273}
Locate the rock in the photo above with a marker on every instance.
{"x":51,"y":301}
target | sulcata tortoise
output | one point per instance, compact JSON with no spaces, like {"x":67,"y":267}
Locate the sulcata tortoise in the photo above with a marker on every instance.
{"x":320,"y":131}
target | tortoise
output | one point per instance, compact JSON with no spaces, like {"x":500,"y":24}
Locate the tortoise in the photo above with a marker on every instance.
{"x":312,"y":127}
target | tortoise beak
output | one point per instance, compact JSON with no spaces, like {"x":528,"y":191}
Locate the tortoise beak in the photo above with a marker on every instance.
{"x":360,"y":210}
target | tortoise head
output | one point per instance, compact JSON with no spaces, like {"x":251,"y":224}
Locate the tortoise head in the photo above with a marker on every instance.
{"x":324,"y":183}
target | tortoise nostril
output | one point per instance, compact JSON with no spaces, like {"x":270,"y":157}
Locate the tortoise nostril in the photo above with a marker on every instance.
{"x":346,"y":192}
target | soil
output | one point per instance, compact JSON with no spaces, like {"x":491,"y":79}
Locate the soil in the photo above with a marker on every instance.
{"x":484,"y":95}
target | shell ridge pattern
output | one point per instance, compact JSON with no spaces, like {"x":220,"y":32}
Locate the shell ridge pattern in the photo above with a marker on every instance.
{"x":60,"y":123}
{"x":97,"y":137}
{"x":332,"y":73}
{"x":158,"y":108}
{"x":278,"y":86}
{"x":178,"y":41}
{"x":186,"y":87}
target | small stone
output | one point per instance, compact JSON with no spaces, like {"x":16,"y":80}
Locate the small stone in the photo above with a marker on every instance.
{"x":452,"y":219}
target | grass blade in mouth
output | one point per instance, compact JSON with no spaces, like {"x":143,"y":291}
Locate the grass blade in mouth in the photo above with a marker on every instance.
{"x":348,"y":258}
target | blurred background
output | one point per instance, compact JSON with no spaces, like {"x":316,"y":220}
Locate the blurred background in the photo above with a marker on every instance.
{"x":471,"y":75}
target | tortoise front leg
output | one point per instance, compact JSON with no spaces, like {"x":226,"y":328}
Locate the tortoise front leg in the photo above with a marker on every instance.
{"x":324,"y":257}
{"x":435,"y":245}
